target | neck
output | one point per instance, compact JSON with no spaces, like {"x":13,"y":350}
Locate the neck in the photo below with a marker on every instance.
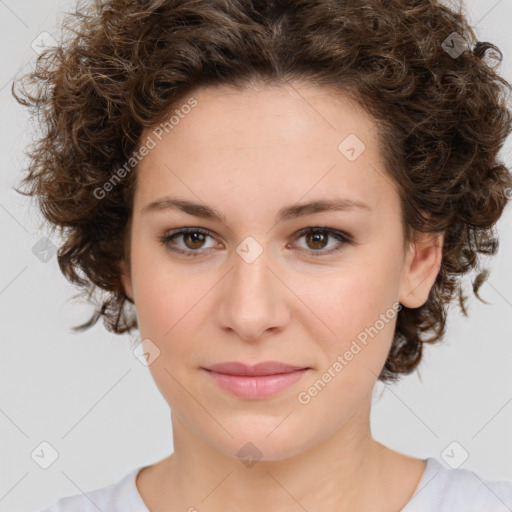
{"x":343,"y":473}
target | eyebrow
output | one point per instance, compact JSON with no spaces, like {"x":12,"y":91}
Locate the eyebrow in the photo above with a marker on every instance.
{"x":292,"y":211}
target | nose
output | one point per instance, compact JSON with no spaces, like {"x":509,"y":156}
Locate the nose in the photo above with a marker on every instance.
{"x":253,"y":298}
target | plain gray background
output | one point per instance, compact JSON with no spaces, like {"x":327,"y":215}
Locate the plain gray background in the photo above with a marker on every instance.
{"x":96,"y":404}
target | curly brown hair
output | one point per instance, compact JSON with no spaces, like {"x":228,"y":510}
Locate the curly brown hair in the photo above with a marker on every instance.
{"x":414,"y":65}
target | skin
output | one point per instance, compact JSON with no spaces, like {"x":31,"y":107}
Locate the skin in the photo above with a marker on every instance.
{"x":248,"y":154}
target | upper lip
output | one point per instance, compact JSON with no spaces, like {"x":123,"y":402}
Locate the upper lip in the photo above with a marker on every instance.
{"x":264,"y":368}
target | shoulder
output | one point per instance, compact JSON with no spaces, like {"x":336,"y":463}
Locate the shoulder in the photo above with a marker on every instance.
{"x":450,"y":490}
{"x":121,"y":496}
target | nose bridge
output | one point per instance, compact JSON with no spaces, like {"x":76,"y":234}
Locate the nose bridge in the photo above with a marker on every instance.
{"x":251,"y":262}
{"x":252,"y":302}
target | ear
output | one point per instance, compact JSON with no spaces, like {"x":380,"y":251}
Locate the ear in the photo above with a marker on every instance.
{"x":422,"y":265}
{"x":126,"y":279}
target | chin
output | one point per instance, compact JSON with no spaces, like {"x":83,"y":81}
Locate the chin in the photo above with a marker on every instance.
{"x":253,"y":444}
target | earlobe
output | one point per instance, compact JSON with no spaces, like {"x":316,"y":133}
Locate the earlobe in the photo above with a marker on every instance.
{"x":422,"y":265}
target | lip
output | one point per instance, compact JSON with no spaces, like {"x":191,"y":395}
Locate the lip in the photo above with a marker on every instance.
{"x":255,"y":382}
{"x":263,"y":368}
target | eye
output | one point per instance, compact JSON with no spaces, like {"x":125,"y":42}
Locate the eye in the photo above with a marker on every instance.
{"x":318,"y":237}
{"x":192,"y":237}
{"x":316,"y":240}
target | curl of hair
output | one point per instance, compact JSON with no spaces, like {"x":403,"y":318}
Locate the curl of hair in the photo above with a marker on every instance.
{"x":121,"y":67}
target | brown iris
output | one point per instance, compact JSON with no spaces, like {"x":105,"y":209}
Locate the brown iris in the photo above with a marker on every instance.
{"x":196,"y":237}
{"x":317,"y":238}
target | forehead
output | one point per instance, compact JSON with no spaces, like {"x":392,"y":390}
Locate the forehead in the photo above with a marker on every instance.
{"x":272,"y":115}
{"x":273,"y":140}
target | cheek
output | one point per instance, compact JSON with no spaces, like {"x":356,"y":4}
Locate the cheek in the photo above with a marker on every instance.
{"x":169,"y":309}
{"x":354,"y":315}
{"x":160,"y":286}
{"x":170,"y":301}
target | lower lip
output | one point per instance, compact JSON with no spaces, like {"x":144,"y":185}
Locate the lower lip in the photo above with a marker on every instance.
{"x":256,"y":387}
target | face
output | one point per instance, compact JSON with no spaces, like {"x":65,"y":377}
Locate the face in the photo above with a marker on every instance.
{"x":269,"y":279}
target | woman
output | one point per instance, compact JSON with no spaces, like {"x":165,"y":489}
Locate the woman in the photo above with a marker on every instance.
{"x":281,"y":197}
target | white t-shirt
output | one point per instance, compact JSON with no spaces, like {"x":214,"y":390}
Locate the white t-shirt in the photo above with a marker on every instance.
{"x":439,"y":490}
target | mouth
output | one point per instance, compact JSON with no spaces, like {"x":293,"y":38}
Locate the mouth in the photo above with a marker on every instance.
{"x":255,"y":382}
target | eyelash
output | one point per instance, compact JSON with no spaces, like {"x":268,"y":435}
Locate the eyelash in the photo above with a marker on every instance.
{"x":338,"y":235}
